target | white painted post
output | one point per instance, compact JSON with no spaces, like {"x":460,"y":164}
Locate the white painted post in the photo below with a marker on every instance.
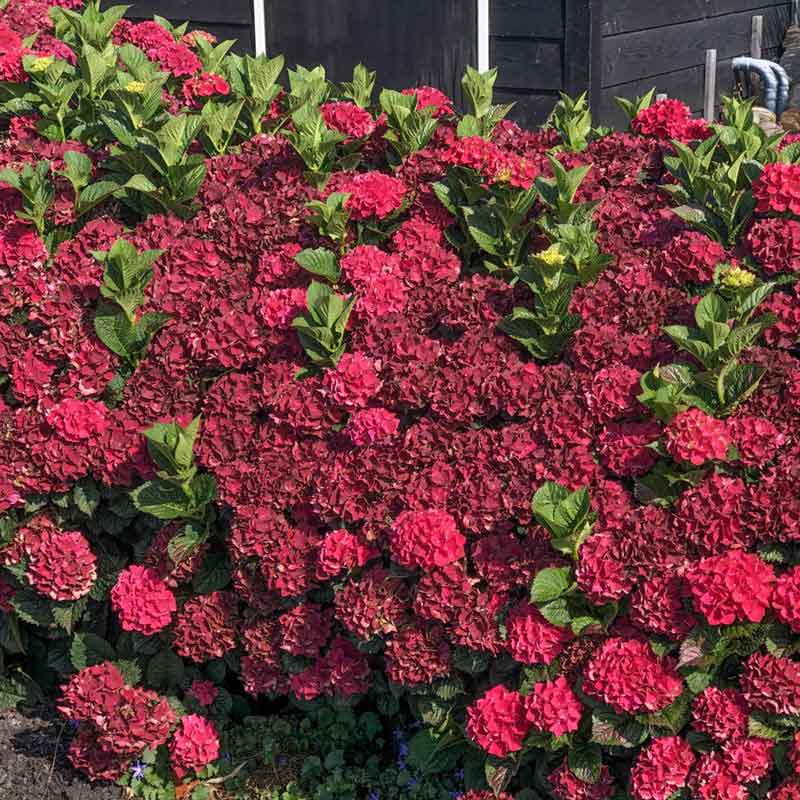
{"x":661,"y":96}
{"x":260,"y":23}
{"x":756,"y":37}
{"x":709,"y":107}
{"x":483,"y":35}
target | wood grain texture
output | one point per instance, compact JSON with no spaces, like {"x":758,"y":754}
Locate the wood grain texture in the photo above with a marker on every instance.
{"x":410,"y":43}
{"x":625,"y":16}
{"x":523,"y":18}
{"x":527,"y":63}
{"x":633,"y":56}
{"x":531,"y":108}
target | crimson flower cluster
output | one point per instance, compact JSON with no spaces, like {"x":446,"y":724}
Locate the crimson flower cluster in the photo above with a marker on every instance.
{"x":377,"y":519}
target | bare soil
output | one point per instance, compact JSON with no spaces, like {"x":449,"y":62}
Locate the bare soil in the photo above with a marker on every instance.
{"x":33,"y":764}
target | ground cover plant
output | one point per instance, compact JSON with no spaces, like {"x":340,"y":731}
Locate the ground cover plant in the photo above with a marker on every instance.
{"x":328,"y":412}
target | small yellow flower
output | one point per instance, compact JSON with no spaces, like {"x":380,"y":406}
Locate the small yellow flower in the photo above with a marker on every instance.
{"x":40,"y":64}
{"x":738,"y":278}
{"x":553,"y":256}
{"x":503,"y":175}
{"x":136,"y":87}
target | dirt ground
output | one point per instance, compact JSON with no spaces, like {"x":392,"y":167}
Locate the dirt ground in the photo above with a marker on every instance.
{"x":33,"y":766}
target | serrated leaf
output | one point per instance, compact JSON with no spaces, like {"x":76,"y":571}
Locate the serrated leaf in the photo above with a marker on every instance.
{"x":165,"y":670}
{"x":161,"y":499}
{"x":319,"y":261}
{"x":550,"y":584}
{"x":585,"y":762}
{"x":87,"y":650}
{"x":32,"y":608}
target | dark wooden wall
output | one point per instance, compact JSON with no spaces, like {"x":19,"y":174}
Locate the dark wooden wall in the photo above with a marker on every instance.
{"x":408,"y":43}
{"x":662,"y":43}
{"x":226,"y":19}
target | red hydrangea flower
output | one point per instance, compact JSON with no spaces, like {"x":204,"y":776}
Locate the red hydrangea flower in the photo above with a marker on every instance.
{"x":613,"y":393}
{"x":664,"y":119}
{"x":206,"y":84}
{"x":757,"y":440}
{"x":714,"y":779}
{"x":341,"y":550}
{"x":142,"y":601}
{"x":305,"y":629}
{"x":426,"y":539}
{"x":720,"y":713}
{"x":623,"y":447}
{"x":93,"y":761}
{"x":531,"y":639}
{"x":61,"y":565}
{"x":418,"y":655}
{"x":777,"y":189}
{"x":194,"y":745}
{"x":775,"y":244}
{"x":373,"y":194}
{"x":279,"y":307}
{"x":77,"y":420}
{"x":625,"y":674}
{"x":371,"y":426}
{"x":430,"y":97}
{"x":691,"y":257}
{"x":786,"y":598}
{"x":656,"y":606}
{"x":497,"y":721}
{"x":732,"y":587}
{"x":353,"y":382}
{"x":348,"y":118}
{"x":375,"y":604}
{"x":96,"y":687}
{"x":205,"y":627}
{"x":661,"y":769}
{"x":552,"y":707}
{"x":567,"y":786}
{"x":204,"y":692}
{"x":750,"y":759}
{"x":695,"y":437}
{"x":771,"y":683}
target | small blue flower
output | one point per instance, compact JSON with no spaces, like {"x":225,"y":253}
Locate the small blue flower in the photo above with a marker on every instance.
{"x":282,"y":761}
{"x":137,"y":770}
{"x":73,"y":724}
{"x":227,"y":756}
{"x":374,"y":795}
{"x":459,"y":774}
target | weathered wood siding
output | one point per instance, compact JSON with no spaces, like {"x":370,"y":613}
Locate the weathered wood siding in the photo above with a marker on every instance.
{"x":663,"y":44}
{"x":408,"y":43}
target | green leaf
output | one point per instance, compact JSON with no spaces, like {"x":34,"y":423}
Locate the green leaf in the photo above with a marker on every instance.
{"x":165,"y":670}
{"x":87,"y":650}
{"x":114,"y":329}
{"x":610,"y":730}
{"x":86,"y":496}
{"x":321,"y":262}
{"x":215,"y":574}
{"x":551,"y":583}
{"x":161,"y":499}
{"x":585,"y":762}
{"x":32,"y":608}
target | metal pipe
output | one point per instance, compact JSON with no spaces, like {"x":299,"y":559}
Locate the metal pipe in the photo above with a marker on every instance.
{"x":774,"y":80}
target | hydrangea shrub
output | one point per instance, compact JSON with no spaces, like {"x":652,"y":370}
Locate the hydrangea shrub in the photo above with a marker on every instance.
{"x":311,"y":395}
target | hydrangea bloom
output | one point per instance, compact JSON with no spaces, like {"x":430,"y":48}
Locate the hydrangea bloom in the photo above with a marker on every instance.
{"x":142,"y":601}
{"x":194,"y":745}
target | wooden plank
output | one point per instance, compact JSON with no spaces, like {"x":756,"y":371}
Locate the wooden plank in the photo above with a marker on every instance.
{"x":756,"y":36}
{"x":626,"y":16}
{"x":523,"y":18}
{"x":416,"y":42}
{"x":230,"y":12}
{"x":632,"y":56}
{"x":531,"y":109}
{"x":527,"y":63}
{"x":710,"y":86}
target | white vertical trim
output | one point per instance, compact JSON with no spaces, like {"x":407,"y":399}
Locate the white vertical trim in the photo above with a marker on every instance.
{"x":260,"y":23}
{"x":483,"y":35}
